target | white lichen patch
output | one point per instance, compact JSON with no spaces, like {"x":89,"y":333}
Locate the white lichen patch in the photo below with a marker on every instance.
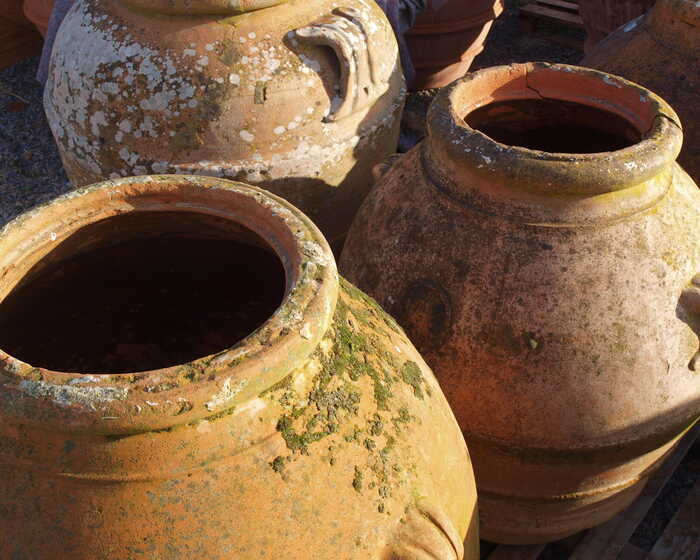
{"x":612,"y":82}
{"x":228,"y":392}
{"x":252,"y":407}
{"x":69,"y":395}
{"x":306,"y":331}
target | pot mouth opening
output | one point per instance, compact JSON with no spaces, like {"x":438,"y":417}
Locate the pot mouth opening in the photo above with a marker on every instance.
{"x":557,"y":109}
{"x":552,"y":125}
{"x":142,"y":291}
{"x":152,"y":274}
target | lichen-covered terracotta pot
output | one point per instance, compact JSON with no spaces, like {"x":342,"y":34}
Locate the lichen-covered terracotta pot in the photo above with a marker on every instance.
{"x":184,"y":375}
{"x":300,"y":97}
{"x":447,"y":37}
{"x":39,"y":13}
{"x":661,"y":51}
{"x":539,"y":248}
{"x":602,"y":17}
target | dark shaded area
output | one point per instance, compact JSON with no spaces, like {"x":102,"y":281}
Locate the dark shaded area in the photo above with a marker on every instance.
{"x":668,"y":501}
{"x":553,"y":126}
{"x":141,"y":305}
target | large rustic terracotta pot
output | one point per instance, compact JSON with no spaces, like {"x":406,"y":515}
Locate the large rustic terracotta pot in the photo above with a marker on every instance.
{"x":661,"y":51}
{"x":184,"y":375}
{"x":39,"y":13}
{"x":539,"y":248}
{"x":447,"y":37}
{"x":602,"y":17}
{"x":301,"y":97}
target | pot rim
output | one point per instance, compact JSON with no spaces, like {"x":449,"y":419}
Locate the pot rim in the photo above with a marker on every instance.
{"x":210,"y":385}
{"x":461,"y":158}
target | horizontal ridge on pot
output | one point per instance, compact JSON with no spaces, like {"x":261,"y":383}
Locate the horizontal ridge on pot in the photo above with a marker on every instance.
{"x":540,"y":249}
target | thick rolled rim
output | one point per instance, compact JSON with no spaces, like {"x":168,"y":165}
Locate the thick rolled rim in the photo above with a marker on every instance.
{"x":162,"y":398}
{"x":461,"y":149}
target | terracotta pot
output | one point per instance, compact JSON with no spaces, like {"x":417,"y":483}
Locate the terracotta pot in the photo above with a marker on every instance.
{"x":302,"y":97}
{"x":602,"y":17}
{"x":447,"y":37}
{"x":660,"y":51}
{"x":298,"y":441}
{"x":550,"y":292}
{"x":18,"y":40}
{"x":39,"y":13}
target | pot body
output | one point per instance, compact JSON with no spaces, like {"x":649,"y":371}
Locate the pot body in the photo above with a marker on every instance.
{"x":39,"y":13}
{"x":302,"y":98}
{"x":446,"y":39}
{"x":602,"y":17}
{"x":660,"y":51}
{"x":555,"y":322}
{"x":298,"y":442}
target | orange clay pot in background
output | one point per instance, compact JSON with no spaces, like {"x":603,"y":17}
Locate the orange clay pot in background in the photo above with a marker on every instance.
{"x":39,"y":13}
{"x":320,"y":434}
{"x":18,"y":38}
{"x":602,"y":17}
{"x":446,"y":39}
{"x":555,"y":295}
{"x":661,"y":51}
{"x":300,"y":97}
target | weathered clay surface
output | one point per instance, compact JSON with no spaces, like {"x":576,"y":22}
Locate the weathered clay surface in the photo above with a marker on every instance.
{"x":661,"y":51}
{"x":299,"y":442}
{"x":302,"y":98}
{"x":447,"y":37}
{"x":551,"y":293}
{"x":602,"y":17}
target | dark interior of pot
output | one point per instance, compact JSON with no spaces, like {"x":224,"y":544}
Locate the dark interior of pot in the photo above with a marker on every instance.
{"x":142,"y":291}
{"x":552,"y":125}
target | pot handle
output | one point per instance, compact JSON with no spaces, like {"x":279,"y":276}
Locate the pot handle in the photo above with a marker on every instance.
{"x":345,"y":30}
{"x":690,"y":301}
{"x":427,"y":534}
{"x":382,"y":168}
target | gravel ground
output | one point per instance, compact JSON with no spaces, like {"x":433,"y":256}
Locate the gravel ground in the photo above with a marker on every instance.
{"x":31,"y":173}
{"x":30,"y":167}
